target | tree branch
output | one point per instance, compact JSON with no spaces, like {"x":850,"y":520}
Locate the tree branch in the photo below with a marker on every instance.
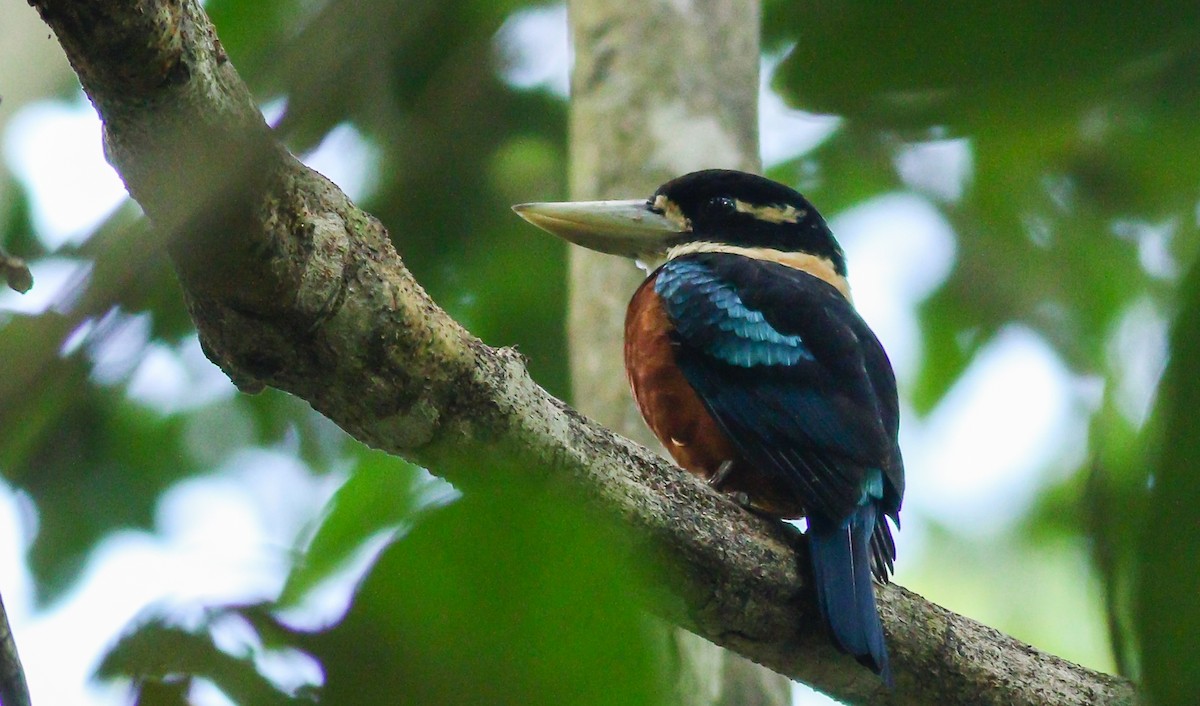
{"x":15,"y":272}
{"x":13,"y":689}
{"x":290,"y":285}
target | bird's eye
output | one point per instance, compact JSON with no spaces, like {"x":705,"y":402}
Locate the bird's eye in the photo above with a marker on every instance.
{"x":722,"y":204}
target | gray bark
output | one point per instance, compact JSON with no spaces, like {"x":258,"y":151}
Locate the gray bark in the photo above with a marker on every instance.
{"x":290,"y":285}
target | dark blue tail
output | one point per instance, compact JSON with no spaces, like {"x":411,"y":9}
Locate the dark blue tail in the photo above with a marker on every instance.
{"x":841,"y":557}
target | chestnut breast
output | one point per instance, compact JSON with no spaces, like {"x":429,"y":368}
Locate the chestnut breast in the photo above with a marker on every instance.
{"x":675,"y":413}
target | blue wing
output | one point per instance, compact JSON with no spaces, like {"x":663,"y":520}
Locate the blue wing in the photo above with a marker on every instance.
{"x":792,"y":374}
{"x":804,"y":390}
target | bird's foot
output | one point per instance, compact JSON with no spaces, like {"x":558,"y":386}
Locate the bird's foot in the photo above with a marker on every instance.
{"x":716,"y":479}
{"x":742,"y":500}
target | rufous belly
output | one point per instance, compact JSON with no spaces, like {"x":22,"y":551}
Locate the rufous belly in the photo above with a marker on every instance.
{"x":675,"y":414}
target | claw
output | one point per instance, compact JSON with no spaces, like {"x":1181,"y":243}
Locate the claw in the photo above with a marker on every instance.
{"x":716,"y":479}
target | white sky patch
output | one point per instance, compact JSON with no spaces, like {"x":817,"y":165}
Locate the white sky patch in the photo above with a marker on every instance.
{"x":235,"y":526}
{"x":805,"y":695}
{"x":223,"y":537}
{"x":273,"y":110}
{"x":173,"y":379}
{"x":327,"y":602}
{"x":290,"y":669}
{"x":899,"y":250}
{"x":1156,"y":254}
{"x":54,"y":149}
{"x":1155,"y":243}
{"x":117,"y":344}
{"x":786,"y":133}
{"x":347,"y":159}
{"x":18,"y":525}
{"x":1137,"y":355}
{"x":939,"y":168}
{"x":206,"y":693}
{"x":53,"y":278}
{"x":975,"y":463}
{"x":212,"y":433}
{"x":534,"y":51}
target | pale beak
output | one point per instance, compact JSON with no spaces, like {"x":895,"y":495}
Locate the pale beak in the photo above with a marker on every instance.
{"x":627,"y":228}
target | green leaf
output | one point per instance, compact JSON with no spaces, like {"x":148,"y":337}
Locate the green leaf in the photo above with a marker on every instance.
{"x":16,"y":223}
{"x":910,"y":64}
{"x":157,"y":652}
{"x":166,"y":692}
{"x":1168,"y":613}
{"x":100,"y":466}
{"x":952,"y":337}
{"x":851,"y":166}
{"x":380,"y":494}
{"x":92,"y":460}
{"x":513,"y":598}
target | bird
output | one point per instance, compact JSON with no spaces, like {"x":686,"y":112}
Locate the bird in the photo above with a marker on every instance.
{"x":749,"y":362}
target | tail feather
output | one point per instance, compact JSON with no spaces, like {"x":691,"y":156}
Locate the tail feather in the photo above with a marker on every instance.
{"x":883,"y":550}
{"x":841,"y":557}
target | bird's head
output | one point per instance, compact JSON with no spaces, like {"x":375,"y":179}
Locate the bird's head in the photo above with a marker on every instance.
{"x":710,"y":210}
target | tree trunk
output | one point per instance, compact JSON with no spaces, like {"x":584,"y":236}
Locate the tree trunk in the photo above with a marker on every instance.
{"x":659,"y":89}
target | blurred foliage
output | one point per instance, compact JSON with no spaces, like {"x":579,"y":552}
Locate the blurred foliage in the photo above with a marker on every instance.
{"x":381,"y":496}
{"x":1168,"y":551}
{"x":446,"y":619}
{"x":1079,"y":118}
{"x":1079,"y":143}
{"x":444,"y":186}
{"x":1079,"y":206}
{"x":442,"y":617}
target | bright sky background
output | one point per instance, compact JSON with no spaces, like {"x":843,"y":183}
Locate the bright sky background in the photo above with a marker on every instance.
{"x":974,"y":464}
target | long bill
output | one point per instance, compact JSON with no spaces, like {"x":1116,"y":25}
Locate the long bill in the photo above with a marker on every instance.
{"x":626,"y":228}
